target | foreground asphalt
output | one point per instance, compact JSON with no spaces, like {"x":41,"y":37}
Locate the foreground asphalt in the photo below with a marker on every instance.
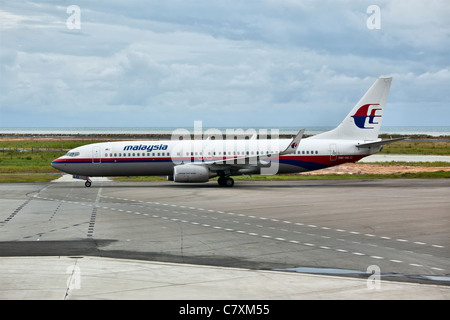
{"x":69,"y":278}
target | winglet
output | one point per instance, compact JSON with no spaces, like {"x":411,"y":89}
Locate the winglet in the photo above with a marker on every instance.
{"x":292,"y":148}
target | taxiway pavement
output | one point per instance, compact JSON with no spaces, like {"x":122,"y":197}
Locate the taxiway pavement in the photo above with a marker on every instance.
{"x":399,"y":227}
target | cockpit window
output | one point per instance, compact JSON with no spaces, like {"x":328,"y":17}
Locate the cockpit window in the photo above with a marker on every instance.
{"x":72,"y":154}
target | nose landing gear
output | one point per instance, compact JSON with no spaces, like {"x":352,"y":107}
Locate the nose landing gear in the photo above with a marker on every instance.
{"x":88,"y":181}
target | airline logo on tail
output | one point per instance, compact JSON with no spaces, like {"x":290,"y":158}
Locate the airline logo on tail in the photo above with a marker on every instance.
{"x":363,"y":113}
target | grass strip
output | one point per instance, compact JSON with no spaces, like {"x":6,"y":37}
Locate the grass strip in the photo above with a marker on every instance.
{"x":14,"y":178}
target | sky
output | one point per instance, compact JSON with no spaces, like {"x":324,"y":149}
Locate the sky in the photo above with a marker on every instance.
{"x":227,"y":63}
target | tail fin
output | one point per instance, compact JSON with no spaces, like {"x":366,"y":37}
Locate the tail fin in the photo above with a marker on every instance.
{"x":364,"y":121}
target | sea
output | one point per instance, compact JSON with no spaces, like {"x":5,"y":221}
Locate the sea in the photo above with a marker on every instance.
{"x":434,"y":131}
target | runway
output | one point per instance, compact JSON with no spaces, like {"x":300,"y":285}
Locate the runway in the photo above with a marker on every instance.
{"x":399,"y":227}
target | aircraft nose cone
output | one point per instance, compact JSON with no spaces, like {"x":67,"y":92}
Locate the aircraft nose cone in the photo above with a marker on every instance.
{"x":57,"y":165}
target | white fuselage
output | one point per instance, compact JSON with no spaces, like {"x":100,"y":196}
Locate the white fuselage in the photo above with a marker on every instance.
{"x":158,"y":158}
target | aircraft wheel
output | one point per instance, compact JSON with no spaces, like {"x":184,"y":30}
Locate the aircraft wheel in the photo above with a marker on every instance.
{"x":87,"y":184}
{"x":221,"y":181}
{"x":229,"y":182}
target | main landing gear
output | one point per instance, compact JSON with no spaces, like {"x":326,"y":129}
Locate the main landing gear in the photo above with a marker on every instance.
{"x":88,"y":183}
{"x":225,"y":181}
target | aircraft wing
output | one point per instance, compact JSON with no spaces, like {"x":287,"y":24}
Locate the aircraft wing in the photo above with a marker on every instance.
{"x":252,"y":161}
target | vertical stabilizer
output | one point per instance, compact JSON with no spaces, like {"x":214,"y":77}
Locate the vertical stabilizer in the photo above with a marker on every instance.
{"x":364,"y":121}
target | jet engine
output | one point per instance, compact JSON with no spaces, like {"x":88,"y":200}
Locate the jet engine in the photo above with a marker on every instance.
{"x":191,"y":173}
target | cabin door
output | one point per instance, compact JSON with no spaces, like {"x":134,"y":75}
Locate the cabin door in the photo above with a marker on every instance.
{"x":333,"y":152}
{"x":96,"y":155}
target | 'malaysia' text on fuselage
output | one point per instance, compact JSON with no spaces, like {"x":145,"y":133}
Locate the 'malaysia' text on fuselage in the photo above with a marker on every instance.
{"x":145,"y":147}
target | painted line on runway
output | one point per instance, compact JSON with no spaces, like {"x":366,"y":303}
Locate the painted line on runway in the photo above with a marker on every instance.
{"x":340,"y":250}
{"x":95,"y":207}
{"x":263,"y":218}
{"x":296,"y":242}
{"x":293,"y":241}
{"x":290,"y":241}
{"x":287,"y":222}
{"x":16,"y":211}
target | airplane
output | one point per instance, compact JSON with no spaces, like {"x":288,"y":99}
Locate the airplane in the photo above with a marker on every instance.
{"x":193,"y":161}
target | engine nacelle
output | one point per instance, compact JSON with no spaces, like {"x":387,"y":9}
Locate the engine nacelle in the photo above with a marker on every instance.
{"x":191,"y":173}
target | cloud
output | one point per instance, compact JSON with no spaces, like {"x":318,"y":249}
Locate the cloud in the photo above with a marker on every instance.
{"x":245,"y":63}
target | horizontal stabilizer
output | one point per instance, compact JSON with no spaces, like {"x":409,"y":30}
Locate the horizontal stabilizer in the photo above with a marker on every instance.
{"x":378,"y":143}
